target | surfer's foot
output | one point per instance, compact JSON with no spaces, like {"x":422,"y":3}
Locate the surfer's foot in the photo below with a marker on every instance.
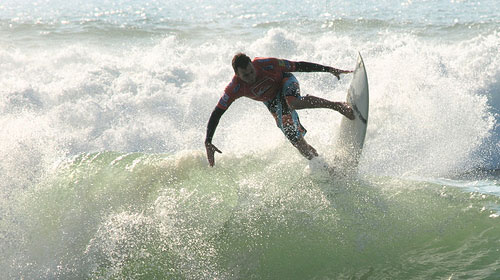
{"x":305,"y":149}
{"x":346,"y":110}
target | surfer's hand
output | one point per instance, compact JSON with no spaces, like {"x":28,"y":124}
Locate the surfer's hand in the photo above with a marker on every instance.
{"x":337,"y":72}
{"x":211,"y":149}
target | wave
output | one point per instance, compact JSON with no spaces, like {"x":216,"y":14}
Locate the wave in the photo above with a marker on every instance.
{"x":78,"y":85}
{"x":113,"y":215}
{"x":203,"y":30}
{"x":434,"y":108}
{"x":94,"y":30}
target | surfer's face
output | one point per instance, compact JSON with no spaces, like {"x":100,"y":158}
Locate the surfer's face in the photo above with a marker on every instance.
{"x":247,"y":74}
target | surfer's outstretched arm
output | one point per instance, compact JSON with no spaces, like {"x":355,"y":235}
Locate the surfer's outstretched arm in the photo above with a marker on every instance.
{"x":212,"y":125}
{"x":302,"y":66}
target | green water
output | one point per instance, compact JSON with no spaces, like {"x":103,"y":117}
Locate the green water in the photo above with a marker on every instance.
{"x":140,"y":216}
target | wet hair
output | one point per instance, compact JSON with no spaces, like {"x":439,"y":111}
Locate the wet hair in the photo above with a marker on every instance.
{"x":240,"y":60}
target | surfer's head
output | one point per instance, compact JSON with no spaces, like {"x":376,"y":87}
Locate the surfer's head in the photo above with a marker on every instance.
{"x":243,"y":68}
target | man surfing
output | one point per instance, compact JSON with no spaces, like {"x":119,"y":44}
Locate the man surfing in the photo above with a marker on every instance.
{"x":270,"y":81}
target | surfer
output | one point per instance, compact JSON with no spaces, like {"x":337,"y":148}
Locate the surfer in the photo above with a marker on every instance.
{"x":269,"y":80}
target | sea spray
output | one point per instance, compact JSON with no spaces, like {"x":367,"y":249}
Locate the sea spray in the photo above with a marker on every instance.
{"x":111,"y":215}
{"x":104,"y":107}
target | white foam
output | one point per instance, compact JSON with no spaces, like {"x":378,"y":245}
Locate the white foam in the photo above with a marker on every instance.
{"x":429,"y":99}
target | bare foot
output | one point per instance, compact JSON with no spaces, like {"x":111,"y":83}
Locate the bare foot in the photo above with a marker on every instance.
{"x":347,"y":111}
{"x":305,"y":149}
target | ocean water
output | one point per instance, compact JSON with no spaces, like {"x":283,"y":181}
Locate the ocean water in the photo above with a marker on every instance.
{"x":103,"y":113}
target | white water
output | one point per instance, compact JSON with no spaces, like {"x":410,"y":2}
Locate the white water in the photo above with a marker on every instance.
{"x":429,"y":100}
{"x":128,"y":76}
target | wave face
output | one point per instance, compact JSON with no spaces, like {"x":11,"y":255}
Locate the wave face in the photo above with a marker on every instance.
{"x":140,"y":216}
{"x":103,"y":112}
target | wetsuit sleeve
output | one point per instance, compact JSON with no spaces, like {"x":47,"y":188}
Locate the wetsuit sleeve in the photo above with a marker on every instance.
{"x":275,"y":64}
{"x":231,"y":93}
{"x":293,"y":66}
{"x":213,"y":122}
{"x":302,"y":66}
{"x":225,"y":101}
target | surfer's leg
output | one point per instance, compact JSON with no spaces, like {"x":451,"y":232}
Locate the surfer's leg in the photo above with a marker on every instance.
{"x":305,"y":149}
{"x":294,"y":132}
{"x":288,"y":120}
{"x":309,"y":101}
{"x":294,"y":101}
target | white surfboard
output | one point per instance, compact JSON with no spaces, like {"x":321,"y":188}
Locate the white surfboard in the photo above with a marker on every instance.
{"x":351,"y":135}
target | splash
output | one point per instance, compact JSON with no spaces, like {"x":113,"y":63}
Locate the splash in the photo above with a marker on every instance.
{"x":103,"y":173}
{"x":112,"y":215}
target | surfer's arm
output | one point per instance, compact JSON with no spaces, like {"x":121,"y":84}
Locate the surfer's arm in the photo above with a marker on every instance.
{"x":212,"y":125}
{"x":302,"y":66}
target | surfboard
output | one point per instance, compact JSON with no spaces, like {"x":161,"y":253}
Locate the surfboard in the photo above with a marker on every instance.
{"x":351,"y":135}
